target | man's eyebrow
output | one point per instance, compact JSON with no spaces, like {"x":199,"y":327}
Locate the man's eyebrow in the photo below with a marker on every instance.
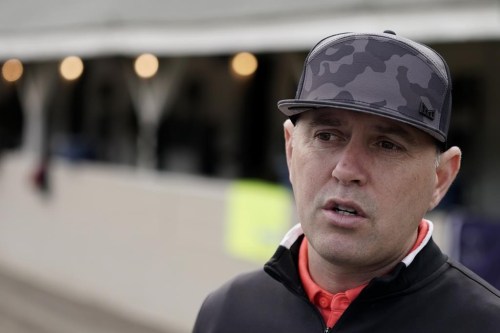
{"x":325,"y":121}
{"x":394,"y":129}
{"x":391,"y":128}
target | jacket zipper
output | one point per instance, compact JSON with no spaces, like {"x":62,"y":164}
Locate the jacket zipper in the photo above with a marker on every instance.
{"x":315,"y":309}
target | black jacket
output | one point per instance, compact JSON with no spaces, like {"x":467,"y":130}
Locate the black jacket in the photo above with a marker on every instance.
{"x":433,"y":294}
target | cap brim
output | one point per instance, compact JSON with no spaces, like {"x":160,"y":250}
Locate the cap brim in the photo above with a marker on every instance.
{"x":294,"y":107}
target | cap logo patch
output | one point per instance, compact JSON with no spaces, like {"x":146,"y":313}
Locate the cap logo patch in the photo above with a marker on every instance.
{"x":427,"y":111}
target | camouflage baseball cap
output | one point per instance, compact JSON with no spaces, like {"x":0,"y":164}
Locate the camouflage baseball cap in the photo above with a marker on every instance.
{"x":381,"y":74}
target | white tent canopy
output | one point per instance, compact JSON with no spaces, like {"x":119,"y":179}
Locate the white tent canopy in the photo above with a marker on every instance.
{"x":50,"y":29}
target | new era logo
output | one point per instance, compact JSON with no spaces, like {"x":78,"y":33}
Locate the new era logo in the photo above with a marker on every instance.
{"x":426,"y":110}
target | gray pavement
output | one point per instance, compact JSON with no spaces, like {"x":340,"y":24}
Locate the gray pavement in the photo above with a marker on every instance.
{"x":27,"y":308}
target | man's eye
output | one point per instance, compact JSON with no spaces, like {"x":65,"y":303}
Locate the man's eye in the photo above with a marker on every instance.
{"x":388,"y":145}
{"x":324,"y":136}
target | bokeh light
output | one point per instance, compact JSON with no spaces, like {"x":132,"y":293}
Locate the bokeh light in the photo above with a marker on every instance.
{"x":146,"y":65}
{"x":71,"y":68}
{"x":12,"y":70}
{"x":244,"y":64}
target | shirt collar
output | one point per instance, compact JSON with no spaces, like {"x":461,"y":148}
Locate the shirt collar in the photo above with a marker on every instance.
{"x":311,"y":288}
{"x":425,"y":230}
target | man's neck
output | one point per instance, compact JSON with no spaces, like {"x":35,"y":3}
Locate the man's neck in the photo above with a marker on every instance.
{"x":337,"y":279}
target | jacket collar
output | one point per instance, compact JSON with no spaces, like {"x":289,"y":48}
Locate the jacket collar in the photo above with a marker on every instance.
{"x":421,"y":265}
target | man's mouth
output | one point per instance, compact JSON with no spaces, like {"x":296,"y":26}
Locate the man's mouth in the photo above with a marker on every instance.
{"x":344,"y":210}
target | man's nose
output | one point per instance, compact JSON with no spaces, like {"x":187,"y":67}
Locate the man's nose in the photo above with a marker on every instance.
{"x":352,"y":164}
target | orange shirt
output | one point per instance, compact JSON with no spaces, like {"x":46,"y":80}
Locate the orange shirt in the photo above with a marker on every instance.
{"x":332,"y":306}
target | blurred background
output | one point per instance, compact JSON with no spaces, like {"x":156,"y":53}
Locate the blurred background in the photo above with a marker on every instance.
{"x":142,"y":153}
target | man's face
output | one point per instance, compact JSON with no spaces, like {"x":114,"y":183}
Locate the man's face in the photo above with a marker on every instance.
{"x":362,"y":184}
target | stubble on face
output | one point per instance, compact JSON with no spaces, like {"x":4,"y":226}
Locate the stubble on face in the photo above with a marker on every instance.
{"x":395,"y":185}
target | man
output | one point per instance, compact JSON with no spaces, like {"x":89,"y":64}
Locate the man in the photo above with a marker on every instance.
{"x":366,"y":152}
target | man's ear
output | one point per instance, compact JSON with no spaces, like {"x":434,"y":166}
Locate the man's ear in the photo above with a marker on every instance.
{"x":289,"y":128}
{"x":446,"y":172}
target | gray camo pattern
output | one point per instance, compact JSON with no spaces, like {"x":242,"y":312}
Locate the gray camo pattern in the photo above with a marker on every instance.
{"x":375,"y":74}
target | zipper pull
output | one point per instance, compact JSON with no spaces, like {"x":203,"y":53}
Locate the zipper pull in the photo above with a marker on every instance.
{"x":328,"y":329}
